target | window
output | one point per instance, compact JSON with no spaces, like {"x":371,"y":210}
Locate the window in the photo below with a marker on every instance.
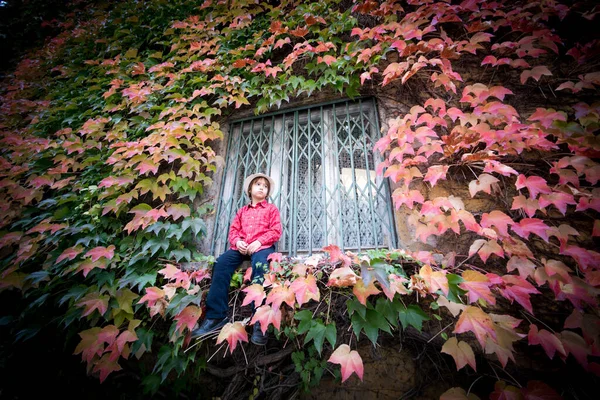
{"x":321,"y":159}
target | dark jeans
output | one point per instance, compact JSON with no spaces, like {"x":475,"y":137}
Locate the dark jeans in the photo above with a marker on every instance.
{"x":217,"y":301}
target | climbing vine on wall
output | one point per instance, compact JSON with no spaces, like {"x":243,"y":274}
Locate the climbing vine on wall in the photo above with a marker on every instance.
{"x":108,"y":136}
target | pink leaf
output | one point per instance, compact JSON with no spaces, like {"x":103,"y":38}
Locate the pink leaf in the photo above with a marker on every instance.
{"x":436,"y":173}
{"x":535,"y":73}
{"x":534,"y":184}
{"x":349,"y":360}
{"x":529,"y":225}
{"x":233,"y":333}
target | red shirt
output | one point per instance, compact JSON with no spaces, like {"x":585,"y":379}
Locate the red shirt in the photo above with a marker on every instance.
{"x":259,"y":222}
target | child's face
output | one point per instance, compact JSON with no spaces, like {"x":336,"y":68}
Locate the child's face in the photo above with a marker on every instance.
{"x":259,"y":189}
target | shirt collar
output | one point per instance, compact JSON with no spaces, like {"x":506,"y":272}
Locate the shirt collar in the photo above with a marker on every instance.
{"x":262,"y":203}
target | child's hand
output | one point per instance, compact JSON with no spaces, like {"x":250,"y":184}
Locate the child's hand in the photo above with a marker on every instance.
{"x":252,"y":247}
{"x":242,"y":246}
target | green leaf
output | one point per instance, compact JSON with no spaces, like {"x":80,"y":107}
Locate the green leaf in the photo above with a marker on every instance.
{"x":38,"y":277}
{"x":305,"y":318}
{"x":412,"y":315}
{"x":376,"y":270}
{"x":316,"y":333}
{"x":388,"y":309}
{"x":331,"y":334}
{"x":354,"y":305}
{"x":454,"y":292}
{"x":196,"y":224}
{"x":181,"y":253}
{"x":371,"y":325}
{"x":75,"y":293}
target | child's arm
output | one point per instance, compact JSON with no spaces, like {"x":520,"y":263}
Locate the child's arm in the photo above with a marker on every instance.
{"x":235,"y":230}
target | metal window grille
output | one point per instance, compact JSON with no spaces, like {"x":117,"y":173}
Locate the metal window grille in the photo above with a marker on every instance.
{"x":321,"y":159}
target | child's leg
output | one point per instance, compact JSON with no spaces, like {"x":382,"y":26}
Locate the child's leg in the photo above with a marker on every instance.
{"x":217,"y":300}
{"x":260,"y":266}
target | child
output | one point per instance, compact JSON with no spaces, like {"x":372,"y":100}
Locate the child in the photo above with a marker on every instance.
{"x":254,"y":231}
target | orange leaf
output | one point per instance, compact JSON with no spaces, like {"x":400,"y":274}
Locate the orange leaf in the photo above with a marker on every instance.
{"x":342,"y":277}
{"x":233,"y":333}
{"x":475,"y":320}
{"x":477,"y":286}
{"x":362,"y":292}
{"x":461,"y":352}
{"x":435,"y":280}
{"x":349,"y":360}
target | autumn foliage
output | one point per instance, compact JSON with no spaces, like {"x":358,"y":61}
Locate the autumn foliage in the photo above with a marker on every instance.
{"x":107,"y":140}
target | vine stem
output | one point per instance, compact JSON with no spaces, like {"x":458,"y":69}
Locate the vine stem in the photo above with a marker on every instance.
{"x":328,"y":308}
{"x":434,"y":336}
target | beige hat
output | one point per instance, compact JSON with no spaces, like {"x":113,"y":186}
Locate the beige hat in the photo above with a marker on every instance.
{"x":249,"y":179}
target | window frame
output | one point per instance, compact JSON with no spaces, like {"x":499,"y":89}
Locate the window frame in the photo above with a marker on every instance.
{"x":282,"y":155}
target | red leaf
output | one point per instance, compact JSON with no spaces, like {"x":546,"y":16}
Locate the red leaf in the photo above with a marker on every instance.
{"x":502,"y":391}
{"x":585,"y":258}
{"x":233,"y":333}
{"x":349,"y":360}
{"x":461,"y":352}
{"x":537,"y":390}
{"x":574,"y":344}
{"x":547,"y":340}
{"x":105,"y":366}
{"x":518,"y":289}
{"x":555,"y":267}
{"x":435,"y":280}
{"x":177,"y":211}
{"x":335,"y":255}
{"x":153,"y":294}
{"x":342,"y":277}
{"x":496,"y":166}
{"x":475,"y":320}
